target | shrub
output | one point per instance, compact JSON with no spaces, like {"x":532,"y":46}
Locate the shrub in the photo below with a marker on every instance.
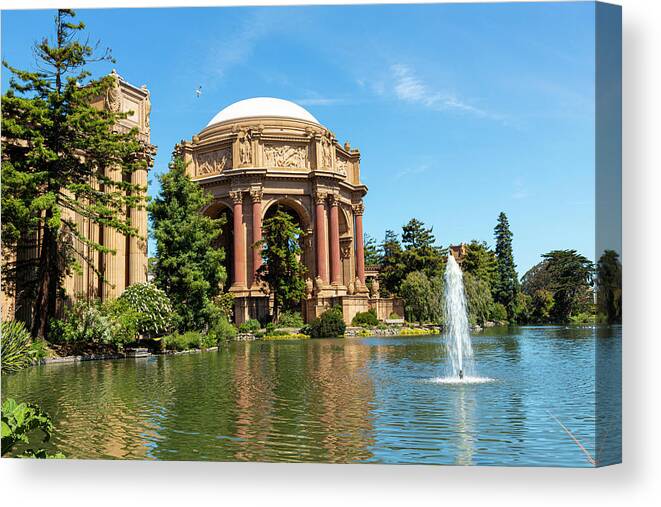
{"x":19,"y":420}
{"x":394,"y":316}
{"x":184,"y":341}
{"x":329,"y":325}
{"x":367,"y":318}
{"x":250,"y":326}
{"x":290,"y":319}
{"x":124,"y":321}
{"x":498,"y":312}
{"x":286,"y":336}
{"x":16,"y":346}
{"x":270,"y":327}
{"x":152,"y":305}
{"x":39,"y":350}
{"x":225,"y":304}
{"x":82,"y":324}
{"x":222,"y":330}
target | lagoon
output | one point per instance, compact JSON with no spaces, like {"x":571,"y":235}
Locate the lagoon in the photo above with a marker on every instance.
{"x":354,"y":400}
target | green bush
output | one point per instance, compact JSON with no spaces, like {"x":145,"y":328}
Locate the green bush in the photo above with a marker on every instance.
{"x":367,"y":319}
{"x":16,"y":346}
{"x":394,"y":316}
{"x":290,"y":319}
{"x":250,"y":326}
{"x":82,"y":324}
{"x":286,"y":336}
{"x":184,"y":341}
{"x":225,"y":304}
{"x":19,"y":421}
{"x":222,"y":330}
{"x":270,"y":327}
{"x":152,"y":306}
{"x":329,"y":325}
{"x":498,"y":312}
{"x":124,"y":321}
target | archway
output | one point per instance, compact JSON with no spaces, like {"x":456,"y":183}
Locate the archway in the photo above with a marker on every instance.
{"x":221,"y":211}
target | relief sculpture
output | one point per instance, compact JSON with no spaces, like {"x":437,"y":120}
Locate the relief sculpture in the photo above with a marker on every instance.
{"x":285,"y":155}
{"x":213,"y":162}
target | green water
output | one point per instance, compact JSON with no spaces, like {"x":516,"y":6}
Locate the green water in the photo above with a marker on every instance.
{"x":352,"y":400}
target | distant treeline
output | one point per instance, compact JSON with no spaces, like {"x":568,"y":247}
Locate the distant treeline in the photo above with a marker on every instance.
{"x":563,"y":287}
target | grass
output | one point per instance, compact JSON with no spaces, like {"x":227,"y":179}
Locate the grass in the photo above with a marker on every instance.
{"x":416,"y":331}
{"x":292,"y":336}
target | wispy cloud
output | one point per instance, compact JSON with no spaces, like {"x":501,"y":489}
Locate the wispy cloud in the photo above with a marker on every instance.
{"x":236,"y":46}
{"x":318,"y":101}
{"x":520,"y":190}
{"x":409,"y":87}
{"x":419,"y":169}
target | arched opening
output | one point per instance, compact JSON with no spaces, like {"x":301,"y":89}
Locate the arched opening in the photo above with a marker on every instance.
{"x":296,"y":217}
{"x":300,"y":217}
{"x":220,"y":211}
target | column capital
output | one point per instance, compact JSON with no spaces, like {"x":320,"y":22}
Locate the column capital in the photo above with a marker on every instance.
{"x":320,"y":197}
{"x":333,"y":200}
{"x":256,"y":195}
{"x":236,"y":196}
{"x":359,"y":208}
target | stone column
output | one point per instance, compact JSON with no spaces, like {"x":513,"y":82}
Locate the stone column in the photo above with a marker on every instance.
{"x":138,"y":245}
{"x":334,"y":236}
{"x":239,"y":241}
{"x":320,"y":233}
{"x":115,"y":264}
{"x":256,"y":196}
{"x":358,"y":210}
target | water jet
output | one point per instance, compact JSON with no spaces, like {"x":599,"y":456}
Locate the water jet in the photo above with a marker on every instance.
{"x":456,"y":327}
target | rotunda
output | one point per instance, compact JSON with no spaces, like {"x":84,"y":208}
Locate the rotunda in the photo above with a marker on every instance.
{"x":262,"y":153}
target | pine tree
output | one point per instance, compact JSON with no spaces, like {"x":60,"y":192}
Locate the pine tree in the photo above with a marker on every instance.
{"x":392,"y":270}
{"x":420,"y":253}
{"x":62,"y":156}
{"x":372,"y":254}
{"x":189,"y":265}
{"x":282,"y":270}
{"x":507,"y":284}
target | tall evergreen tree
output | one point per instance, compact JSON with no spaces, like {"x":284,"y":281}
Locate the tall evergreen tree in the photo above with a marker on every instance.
{"x":372,"y":254}
{"x":481,"y":262}
{"x":393,"y":269}
{"x":609,"y":286}
{"x":420,"y":252}
{"x":282,"y":269}
{"x":570,"y":277}
{"x":61,"y":156}
{"x":507,"y":283}
{"x":189,"y":265}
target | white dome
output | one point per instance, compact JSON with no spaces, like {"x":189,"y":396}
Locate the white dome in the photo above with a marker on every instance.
{"x":262,"y":106}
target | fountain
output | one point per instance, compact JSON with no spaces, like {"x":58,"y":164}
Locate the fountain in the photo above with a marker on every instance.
{"x":456,"y":327}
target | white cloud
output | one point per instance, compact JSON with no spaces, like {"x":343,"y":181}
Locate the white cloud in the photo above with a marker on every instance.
{"x":520,"y":189}
{"x":318,"y":101}
{"x":408,"y":87}
{"x":419,"y":169}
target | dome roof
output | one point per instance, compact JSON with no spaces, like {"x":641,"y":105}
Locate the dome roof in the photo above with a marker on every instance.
{"x":262,"y":106}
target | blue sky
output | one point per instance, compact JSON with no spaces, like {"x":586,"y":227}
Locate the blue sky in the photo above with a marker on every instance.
{"x":460,"y":111}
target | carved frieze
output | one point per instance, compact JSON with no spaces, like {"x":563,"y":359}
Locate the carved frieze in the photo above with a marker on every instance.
{"x":341,"y":165}
{"x":285,"y":155}
{"x":213,"y":162}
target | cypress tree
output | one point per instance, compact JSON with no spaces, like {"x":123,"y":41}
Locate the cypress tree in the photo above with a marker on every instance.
{"x":282,"y":269}
{"x":189,"y":265}
{"x":507,"y":281}
{"x":61,"y":157}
